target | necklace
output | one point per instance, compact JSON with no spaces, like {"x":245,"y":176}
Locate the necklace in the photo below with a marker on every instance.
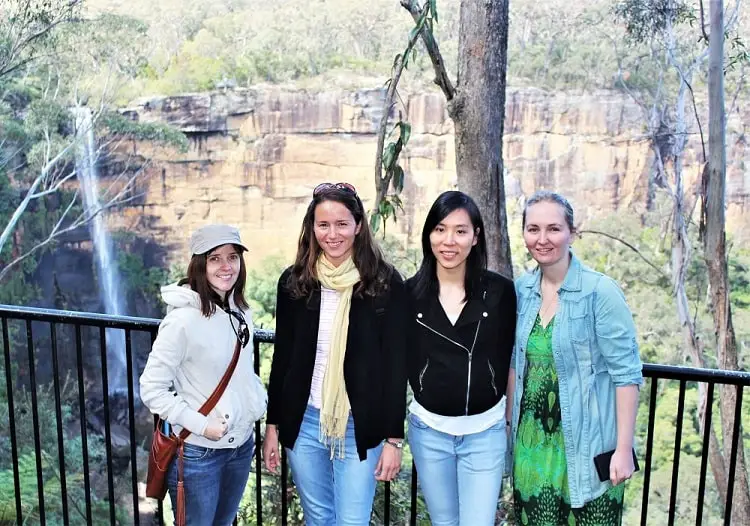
{"x":545,"y":309}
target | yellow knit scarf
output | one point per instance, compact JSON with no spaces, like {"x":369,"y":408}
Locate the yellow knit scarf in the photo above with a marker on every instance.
{"x":334,"y":412}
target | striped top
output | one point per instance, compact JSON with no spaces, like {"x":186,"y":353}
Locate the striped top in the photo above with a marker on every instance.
{"x":329,"y":302}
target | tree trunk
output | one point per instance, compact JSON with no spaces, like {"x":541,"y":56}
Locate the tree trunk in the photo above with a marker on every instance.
{"x":715,"y":253}
{"x":681,"y":258}
{"x":478,"y":112}
{"x":680,"y":262}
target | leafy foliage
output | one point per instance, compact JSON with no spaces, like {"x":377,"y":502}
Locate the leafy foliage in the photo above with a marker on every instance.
{"x":49,"y":465}
{"x":121,"y":126}
{"x":644,"y":19}
{"x":260,"y":290}
{"x":387,"y":205}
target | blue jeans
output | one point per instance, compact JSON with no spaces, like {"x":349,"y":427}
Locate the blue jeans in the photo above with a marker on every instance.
{"x":214,"y":480}
{"x":336,"y":492}
{"x":460,"y":476}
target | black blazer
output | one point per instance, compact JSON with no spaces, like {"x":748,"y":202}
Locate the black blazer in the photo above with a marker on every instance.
{"x":462,"y":369}
{"x":374,"y":366}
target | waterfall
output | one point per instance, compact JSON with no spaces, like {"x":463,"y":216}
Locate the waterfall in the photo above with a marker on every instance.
{"x":106,"y":265}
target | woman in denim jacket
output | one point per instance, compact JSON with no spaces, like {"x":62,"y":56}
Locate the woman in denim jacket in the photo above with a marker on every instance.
{"x":575,"y":374}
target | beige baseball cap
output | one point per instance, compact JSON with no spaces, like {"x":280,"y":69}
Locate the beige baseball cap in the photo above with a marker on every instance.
{"x":211,"y":236}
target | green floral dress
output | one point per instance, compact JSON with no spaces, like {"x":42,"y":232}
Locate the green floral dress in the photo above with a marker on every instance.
{"x":541,"y":496}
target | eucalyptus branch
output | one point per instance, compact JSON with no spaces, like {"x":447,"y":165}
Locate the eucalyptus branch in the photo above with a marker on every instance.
{"x":56,"y":187}
{"x":703,"y":22}
{"x":82,"y":219}
{"x":629,"y":245}
{"x":438,"y":64}
{"x":733,"y":18}
{"x":400,"y":63}
{"x":740,"y":85}
{"x":684,"y":78}
{"x":54,"y":234}
{"x":697,"y":119}
{"x":27,"y":36}
{"x":30,"y":195}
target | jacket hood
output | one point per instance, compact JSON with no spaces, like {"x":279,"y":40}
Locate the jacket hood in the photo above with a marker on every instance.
{"x":175,"y":296}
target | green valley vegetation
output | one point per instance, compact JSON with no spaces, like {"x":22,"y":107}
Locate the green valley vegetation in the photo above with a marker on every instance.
{"x":194,"y":45}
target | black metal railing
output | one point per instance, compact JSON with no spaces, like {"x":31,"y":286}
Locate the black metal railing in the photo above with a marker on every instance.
{"x":39,"y":339}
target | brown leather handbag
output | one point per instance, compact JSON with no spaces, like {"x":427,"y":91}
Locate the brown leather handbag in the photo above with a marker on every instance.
{"x":164,"y":447}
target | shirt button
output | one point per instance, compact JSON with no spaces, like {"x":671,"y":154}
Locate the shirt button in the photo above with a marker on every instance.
{"x":419,"y":315}
{"x":226,"y":416}
{"x":484,"y":314}
{"x":231,"y":440}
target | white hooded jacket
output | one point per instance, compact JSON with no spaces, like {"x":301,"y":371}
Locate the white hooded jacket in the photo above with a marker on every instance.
{"x":189,"y":356}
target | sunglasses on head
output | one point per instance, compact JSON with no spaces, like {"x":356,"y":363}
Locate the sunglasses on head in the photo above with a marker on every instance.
{"x":242,"y":331}
{"x":325,"y":187}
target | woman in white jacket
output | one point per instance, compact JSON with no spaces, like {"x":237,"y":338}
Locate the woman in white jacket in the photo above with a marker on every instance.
{"x":206,"y":314}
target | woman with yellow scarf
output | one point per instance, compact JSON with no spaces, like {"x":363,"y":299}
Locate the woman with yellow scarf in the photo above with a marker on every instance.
{"x":337,"y":391}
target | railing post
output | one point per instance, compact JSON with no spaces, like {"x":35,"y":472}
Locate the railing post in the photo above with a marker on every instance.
{"x":35,"y":422}
{"x":82,"y":412}
{"x":258,"y":447}
{"x":58,"y":418}
{"x":107,"y":425}
{"x":12,"y":422}
{"x":131,"y":425}
{"x":733,"y":459}
{"x":676,"y":458}
{"x":649,"y":448}
{"x":284,"y":503}
{"x":387,"y":504}
{"x":707,"y":423}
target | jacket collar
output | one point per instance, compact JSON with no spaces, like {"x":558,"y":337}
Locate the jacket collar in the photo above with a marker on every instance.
{"x":573,"y":278}
{"x":473,"y":311}
{"x":434,"y":314}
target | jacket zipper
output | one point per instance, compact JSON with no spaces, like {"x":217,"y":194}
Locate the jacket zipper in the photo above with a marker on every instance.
{"x":469,"y":351}
{"x":442,"y":335}
{"x":421,"y":375}
{"x":471,"y":354}
{"x":492,"y":376}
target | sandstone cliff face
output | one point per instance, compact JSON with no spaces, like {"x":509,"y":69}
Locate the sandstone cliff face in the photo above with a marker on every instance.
{"x":256,"y":155}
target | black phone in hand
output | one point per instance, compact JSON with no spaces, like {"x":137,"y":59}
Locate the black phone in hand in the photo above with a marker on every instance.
{"x":602,"y":464}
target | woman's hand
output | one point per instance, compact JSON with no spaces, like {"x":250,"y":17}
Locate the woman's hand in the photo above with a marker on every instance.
{"x":621,"y":466}
{"x":271,"y":449}
{"x":215,"y":429}
{"x":389,"y":463}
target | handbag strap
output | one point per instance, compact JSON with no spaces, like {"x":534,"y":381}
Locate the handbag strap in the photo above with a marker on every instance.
{"x":209,"y":404}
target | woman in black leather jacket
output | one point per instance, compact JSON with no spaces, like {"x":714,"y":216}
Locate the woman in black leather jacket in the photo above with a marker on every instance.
{"x":461,"y":340}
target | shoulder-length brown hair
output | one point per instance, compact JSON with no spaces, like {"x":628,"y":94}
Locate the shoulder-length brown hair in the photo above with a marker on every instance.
{"x":198,"y":281}
{"x":375,"y":273}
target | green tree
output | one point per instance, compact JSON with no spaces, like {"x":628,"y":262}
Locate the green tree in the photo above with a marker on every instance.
{"x":476,"y":104}
{"x":663,"y":24}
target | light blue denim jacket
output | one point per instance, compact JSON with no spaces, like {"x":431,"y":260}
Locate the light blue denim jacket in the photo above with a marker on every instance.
{"x":595,"y":350}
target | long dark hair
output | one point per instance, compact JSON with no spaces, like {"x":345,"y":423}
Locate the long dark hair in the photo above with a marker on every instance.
{"x":375,"y":273}
{"x":426,"y":280}
{"x":198,"y":281}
